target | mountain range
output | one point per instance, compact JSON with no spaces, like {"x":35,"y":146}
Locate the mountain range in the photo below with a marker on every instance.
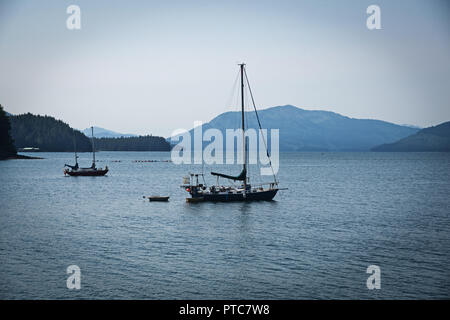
{"x":299,"y":129}
{"x":311,"y":130}
{"x":430,"y":139}
{"x":105,"y":133}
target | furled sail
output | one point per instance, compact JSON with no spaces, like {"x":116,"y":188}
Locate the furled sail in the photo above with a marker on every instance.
{"x":240,"y":177}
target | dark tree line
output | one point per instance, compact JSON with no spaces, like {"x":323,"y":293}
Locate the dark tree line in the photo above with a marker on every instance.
{"x":7,"y":147}
{"x":141,"y":143}
{"x":51,"y":135}
{"x":47,"y":134}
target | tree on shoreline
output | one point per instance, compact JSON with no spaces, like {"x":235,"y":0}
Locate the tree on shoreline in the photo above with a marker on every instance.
{"x":7,"y":148}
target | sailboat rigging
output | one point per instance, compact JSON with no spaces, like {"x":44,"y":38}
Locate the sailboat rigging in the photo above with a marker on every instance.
{"x":246,"y":192}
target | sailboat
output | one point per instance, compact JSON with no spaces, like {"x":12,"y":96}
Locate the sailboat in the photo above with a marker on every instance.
{"x":91,"y":171}
{"x":245,"y":192}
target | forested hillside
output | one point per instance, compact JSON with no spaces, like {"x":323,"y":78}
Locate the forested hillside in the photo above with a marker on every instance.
{"x":141,"y":143}
{"x":46,"y":133}
{"x":49,"y":134}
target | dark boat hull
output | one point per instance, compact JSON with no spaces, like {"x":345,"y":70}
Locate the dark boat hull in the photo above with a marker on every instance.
{"x":266,"y":195}
{"x":93,"y":173}
{"x":155,"y":198}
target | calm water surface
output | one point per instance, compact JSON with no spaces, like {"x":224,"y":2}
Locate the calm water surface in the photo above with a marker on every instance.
{"x":342,"y":213}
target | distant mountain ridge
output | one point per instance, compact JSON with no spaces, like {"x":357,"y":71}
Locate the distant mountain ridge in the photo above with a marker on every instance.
{"x":300,"y":130}
{"x":431,"y":139}
{"x":105,"y":133}
{"x":312,"y":130}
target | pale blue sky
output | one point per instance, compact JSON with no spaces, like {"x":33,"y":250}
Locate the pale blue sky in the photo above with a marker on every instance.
{"x":155,"y":66}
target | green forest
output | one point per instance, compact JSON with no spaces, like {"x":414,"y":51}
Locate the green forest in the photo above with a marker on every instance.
{"x":52,"y":135}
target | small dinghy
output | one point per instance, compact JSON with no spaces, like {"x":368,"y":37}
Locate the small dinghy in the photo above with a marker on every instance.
{"x":158,"y":198}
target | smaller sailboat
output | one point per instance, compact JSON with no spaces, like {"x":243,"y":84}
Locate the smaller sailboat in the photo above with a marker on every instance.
{"x":91,"y":171}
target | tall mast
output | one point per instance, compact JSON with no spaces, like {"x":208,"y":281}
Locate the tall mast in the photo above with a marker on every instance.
{"x":75,"y":147}
{"x":243,"y":127}
{"x":93,"y":148}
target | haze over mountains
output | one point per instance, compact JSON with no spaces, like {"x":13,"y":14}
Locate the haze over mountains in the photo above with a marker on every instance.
{"x":430,"y":139}
{"x":311,"y":130}
{"x":300,"y":130}
{"x":105,"y":133}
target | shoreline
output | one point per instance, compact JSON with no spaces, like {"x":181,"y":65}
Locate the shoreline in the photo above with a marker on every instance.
{"x":20,"y":156}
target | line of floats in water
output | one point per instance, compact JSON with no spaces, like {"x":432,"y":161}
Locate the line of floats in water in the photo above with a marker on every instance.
{"x":134,"y":161}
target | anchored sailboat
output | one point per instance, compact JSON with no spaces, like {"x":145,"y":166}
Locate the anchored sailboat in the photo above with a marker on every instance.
{"x":246,"y":192}
{"x":92,"y":171}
